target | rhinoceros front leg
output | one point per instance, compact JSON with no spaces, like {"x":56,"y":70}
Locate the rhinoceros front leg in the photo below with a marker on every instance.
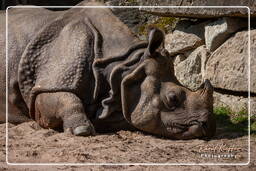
{"x":53,"y":110}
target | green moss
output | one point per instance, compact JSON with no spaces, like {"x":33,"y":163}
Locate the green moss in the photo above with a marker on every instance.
{"x":241,"y":116}
{"x":142,"y":29}
{"x":243,"y":111}
{"x":222,"y":110}
{"x":163,"y":23}
{"x":230,"y":121}
{"x":253,"y":118}
{"x":253,"y":127}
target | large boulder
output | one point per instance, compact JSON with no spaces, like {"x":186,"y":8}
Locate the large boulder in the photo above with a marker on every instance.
{"x":186,"y":36}
{"x":253,"y":62}
{"x":190,"y":71}
{"x":130,"y":16}
{"x":237,"y":104}
{"x":201,"y":12}
{"x":219,"y":31}
{"x":253,"y":106}
{"x":227,"y":68}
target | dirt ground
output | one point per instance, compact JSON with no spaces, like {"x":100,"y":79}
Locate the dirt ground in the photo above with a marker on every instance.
{"x":28,"y":143}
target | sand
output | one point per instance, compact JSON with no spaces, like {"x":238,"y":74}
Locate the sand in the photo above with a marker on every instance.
{"x":29,"y":143}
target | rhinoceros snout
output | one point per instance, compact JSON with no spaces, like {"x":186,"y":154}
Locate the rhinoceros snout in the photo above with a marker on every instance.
{"x":197,"y":130}
{"x":206,"y":127}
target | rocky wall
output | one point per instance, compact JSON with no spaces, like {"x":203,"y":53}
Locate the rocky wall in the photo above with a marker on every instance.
{"x":217,"y":50}
{"x":239,"y":9}
{"x":211,"y":43}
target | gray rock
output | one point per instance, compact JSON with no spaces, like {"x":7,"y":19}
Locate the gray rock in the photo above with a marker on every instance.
{"x":235,"y":103}
{"x":219,"y":31}
{"x":179,"y":42}
{"x":253,"y":106}
{"x":130,"y":16}
{"x":253,"y":61}
{"x":178,"y":59}
{"x":196,"y":27}
{"x":227,"y":68}
{"x":201,"y":12}
{"x":187,"y":36}
{"x":190,"y":71}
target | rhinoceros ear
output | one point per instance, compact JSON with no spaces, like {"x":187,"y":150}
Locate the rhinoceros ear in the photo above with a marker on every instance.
{"x":131,"y":91}
{"x":155,"y":39}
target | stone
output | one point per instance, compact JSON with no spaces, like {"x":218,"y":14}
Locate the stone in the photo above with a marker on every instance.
{"x":253,"y":106}
{"x":235,"y":103}
{"x":253,"y":62}
{"x":217,"y":32}
{"x":131,"y":17}
{"x":190,"y":71}
{"x":136,"y":20}
{"x":187,"y":36}
{"x":200,"y":12}
{"x":227,"y":67}
{"x":178,"y":59}
{"x":196,"y":27}
{"x":179,"y":42}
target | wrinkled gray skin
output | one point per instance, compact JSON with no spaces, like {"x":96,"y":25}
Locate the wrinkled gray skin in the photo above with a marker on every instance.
{"x":83,"y":70}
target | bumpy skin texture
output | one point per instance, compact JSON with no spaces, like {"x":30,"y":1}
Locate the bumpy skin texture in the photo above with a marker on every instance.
{"x":83,"y":70}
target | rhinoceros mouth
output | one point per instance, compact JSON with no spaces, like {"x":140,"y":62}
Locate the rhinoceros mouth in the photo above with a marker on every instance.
{"x":178,"y":128}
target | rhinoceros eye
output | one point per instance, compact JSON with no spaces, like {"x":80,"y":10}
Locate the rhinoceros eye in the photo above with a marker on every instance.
{"x":172,"y":101}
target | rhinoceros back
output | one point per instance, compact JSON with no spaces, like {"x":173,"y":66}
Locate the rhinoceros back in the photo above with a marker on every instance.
{"x":54,"y":51}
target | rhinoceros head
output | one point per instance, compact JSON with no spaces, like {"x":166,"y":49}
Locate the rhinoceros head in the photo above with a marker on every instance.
{"x":155,"y":102}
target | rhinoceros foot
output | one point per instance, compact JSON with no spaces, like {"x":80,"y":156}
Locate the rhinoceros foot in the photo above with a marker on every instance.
{"x":84,"y":130}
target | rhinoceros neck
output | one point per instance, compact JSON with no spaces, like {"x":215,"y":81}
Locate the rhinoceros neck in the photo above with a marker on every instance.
{"x":110,"y":72}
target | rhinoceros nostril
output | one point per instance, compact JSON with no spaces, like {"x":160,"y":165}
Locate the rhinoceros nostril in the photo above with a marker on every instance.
{"x":204,"y":124}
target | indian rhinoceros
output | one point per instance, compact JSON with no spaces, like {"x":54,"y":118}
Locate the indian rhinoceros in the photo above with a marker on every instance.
{"x":83,"y":70}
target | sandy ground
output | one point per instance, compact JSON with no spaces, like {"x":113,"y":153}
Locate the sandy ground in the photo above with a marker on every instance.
{"x":28,"y":143}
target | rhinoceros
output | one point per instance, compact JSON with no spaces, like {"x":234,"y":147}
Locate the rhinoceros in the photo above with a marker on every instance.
{"x":83,"y":70}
